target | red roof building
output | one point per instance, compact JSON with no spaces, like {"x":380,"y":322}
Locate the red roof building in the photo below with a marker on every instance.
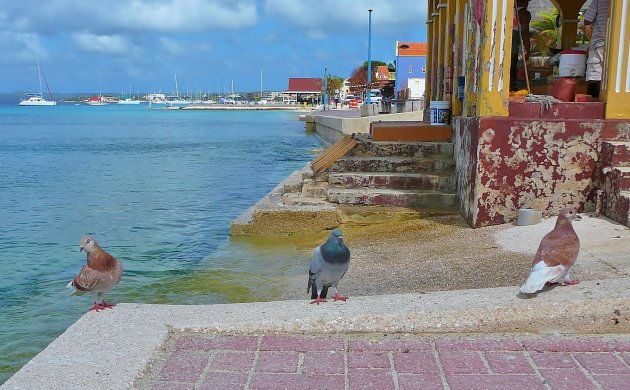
{"x":303,"y":90}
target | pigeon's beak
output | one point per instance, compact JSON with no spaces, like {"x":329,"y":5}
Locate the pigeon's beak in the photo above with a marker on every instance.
{"x":80,"y":249}
{"x":578,"y":217}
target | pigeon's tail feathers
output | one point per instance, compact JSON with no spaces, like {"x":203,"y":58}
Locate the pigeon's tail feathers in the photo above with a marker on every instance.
{"x":310,"y":281}
{"x":540,"y":275}
{"x":71,"y":287}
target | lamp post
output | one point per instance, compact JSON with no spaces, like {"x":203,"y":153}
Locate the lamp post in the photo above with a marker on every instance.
{"x":369,"y":64}
{"x":325,"y":87}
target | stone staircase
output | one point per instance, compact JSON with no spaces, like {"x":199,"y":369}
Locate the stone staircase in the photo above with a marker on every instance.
{"x":403,"y":174}
{"x":615,"y":161}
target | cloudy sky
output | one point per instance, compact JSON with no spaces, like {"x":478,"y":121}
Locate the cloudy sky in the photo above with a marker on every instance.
{"x":206,"y":43}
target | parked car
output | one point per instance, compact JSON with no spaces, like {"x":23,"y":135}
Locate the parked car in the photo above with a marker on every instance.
{"x":375,"y":95}
{"x":347,"y":99}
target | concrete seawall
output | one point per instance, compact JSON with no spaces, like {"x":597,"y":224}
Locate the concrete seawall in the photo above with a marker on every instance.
{"x":113,"y":349}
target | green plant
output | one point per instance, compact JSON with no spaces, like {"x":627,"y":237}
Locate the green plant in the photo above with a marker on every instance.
{"x":545,"y":33}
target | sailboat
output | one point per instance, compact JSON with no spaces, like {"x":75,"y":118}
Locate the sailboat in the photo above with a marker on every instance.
{"x":176,"y":100}
{"x":38,"y":99}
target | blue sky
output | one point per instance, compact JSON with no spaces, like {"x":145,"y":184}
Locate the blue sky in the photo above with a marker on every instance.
{"x":206,"y":43}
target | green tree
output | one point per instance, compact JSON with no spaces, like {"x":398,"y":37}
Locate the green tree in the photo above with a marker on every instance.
{"x":333,"y":84}
{"x":358,"y":78}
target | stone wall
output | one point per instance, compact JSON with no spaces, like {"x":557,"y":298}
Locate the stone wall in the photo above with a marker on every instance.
{"x":504,"y":164}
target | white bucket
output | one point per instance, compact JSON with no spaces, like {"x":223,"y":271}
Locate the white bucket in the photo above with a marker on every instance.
{"x":440,"y":112}
{"x":572,"y":63}
{"x":528,"y":217}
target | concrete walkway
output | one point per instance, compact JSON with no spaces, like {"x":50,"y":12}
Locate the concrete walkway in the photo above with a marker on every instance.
{"x":396,"y":362}
{"x":126,"y":347}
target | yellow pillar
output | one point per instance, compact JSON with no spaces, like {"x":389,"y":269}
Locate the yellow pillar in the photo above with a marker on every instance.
{"x":441,"y":10}
{"x":435,"y":53}
{"x":496,"y":42}
{"x":617,"y":75}
{"x":449,"y":66}
{"x":457,"y":55}
{"x":428,"y":86}
{"x":471,"y":58}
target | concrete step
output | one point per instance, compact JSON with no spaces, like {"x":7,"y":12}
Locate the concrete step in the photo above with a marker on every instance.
{"x":618,"y":207}
{"x":393,"y":164}
{"x":398,"y":198}
{"x":401,"y":181}
{"x":616,"y":154}
{"x":402,"y":149}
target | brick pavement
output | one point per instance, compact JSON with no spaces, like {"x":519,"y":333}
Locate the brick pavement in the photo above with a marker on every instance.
{"x":396,"y":362}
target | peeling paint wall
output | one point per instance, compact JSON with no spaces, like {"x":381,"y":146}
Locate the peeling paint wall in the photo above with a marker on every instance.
{"x":505,"y":164}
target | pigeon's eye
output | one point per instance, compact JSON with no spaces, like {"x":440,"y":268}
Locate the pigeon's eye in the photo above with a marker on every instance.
{"x":87,"y":241}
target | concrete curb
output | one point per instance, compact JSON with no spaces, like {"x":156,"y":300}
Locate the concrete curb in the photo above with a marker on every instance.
{"x":113,"y":348}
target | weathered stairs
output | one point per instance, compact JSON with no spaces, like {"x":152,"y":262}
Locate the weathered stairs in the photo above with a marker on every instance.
{"x":616,"y":161}
{"x":404,"y":174}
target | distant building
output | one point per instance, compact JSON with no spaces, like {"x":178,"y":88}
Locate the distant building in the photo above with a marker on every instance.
{"x":386,"y":80}
{"x":411,"y":69}
{"x":302,"y":90}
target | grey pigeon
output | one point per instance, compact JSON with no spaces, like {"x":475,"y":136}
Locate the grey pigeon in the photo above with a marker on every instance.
{"x":329,"y":264}
{"x":556,"y":254}
{"x":101,"y":273}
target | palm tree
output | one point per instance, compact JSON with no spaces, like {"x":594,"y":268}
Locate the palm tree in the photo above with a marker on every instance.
{"x":546,"y":32}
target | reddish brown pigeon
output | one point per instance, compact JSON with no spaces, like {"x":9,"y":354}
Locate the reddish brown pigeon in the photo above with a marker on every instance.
{"x":101,"y":273}
{"x":556,"y":254}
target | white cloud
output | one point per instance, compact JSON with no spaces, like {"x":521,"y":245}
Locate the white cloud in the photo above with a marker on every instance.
{"x":328,"y":17}
{"x":24,"y":48}
{"x":115,"y":16}
{"x":114,"y":45}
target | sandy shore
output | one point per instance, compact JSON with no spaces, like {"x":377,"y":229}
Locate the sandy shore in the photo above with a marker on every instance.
{"x":407,"y":252}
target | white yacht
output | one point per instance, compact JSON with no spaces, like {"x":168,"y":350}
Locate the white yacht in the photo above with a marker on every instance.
{"x":35,"y":99}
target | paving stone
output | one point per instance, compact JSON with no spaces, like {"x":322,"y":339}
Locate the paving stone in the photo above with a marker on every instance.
{"x":420,"y":382}
{"x":327,"y":362}
{"x":567,"y":344}
{"x":553,"y":360}
{"x":269,"y":381}
{"x":613,"y":382}
{"x":567,"y":379}
{"x":495,"y":382}
{"x":232,"y":361}
{"x":400,"y":345}
{"x":225,"y":381}
{"x":626,"y":356}
{"x":277,"y":361}
{"x":184,"y":367}
{"x":478,"y":344}
{"x":370,"y":380}
{"x":620,"y":345}
{"x":508,"y":363}
{"x":173,"y":386}
{"x":462,"y":362}
{"x":602,"y":363}
{"x":415,"y":363}
{"x":302,"y":344}
{"x":205,"y":343}
{"x":368,"y":360}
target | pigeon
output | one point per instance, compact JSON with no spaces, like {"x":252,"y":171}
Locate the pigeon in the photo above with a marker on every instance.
{"x":101,"y":273}
{"x":329,"y":264}
{"x":556,"y":254}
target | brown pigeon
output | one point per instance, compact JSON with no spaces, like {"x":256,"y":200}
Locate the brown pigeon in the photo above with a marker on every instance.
{"x":556,"y":254}
{"x":101,"y":273}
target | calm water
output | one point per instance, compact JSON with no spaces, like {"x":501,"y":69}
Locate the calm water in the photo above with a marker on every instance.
{"x":157,"y":188}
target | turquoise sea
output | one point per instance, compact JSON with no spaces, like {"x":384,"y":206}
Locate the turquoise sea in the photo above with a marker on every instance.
{"x":156,"y":188}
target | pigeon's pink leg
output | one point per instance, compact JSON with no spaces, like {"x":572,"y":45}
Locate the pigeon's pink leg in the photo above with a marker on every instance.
{"x":105,"y":305}
{"x":318,"y":300}
{"x":339,"y":297}
{"x":96,"y":307}
{"x":570,"y":282}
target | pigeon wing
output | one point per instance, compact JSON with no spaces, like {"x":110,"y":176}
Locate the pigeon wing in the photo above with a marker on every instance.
{"x":558,"y":247}
{"x":88,"y":279}
{"x":315,"y":268}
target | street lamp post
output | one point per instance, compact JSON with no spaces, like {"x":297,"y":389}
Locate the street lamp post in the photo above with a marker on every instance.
{"x":325,"y":87}
{"x":369,"y":64}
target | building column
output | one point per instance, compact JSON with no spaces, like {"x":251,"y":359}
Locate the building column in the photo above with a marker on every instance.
{"x":458,"y":69}
{"x":442,"y":34}
{"x":496,"y":42}
{"x":428,"y":85}
{"x":616,"y":83}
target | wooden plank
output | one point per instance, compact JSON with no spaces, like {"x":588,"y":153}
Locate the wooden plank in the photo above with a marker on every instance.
{"x":332,"y":154}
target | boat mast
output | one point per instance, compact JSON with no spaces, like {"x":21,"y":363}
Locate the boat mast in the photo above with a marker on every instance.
{"x":39,"y":75}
